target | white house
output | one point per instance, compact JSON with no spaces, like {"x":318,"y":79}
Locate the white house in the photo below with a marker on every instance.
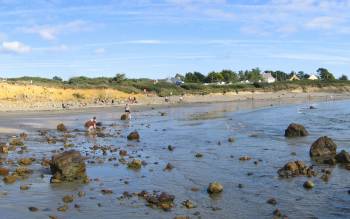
{"x":267,"y":77}
{"x":313,"y":77}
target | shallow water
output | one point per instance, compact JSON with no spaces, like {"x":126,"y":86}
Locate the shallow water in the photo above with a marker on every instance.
{"x":258,"y":133}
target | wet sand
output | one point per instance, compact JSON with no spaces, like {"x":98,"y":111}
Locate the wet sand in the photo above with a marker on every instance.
{"x":256,"y":125}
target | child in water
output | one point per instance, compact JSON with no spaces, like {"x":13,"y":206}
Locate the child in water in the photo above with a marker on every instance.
{"x":90,"y":125}
{"x":127,"y":111}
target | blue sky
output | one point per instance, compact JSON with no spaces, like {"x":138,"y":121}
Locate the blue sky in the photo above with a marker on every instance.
{"x":159,"y":38}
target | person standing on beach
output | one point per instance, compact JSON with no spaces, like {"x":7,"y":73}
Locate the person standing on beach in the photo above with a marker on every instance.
{"x":127,"y":111}
{"x":90,"y":125}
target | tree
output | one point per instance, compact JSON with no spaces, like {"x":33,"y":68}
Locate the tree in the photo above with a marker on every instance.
{"x":119,"y":78}
{"x":343,"y":78}
{"x":229,"y":76}
{"x":254,"y":75}
{"x":56,"y":78}
{"x":214,"y":77}
{"x":195,"y":77}
{"x":325,"y":75}
{"x":301,"y":75}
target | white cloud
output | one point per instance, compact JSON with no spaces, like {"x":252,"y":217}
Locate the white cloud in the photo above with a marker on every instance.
{"x":323,"y":22}
{"x":15,"y":47}
{"x":50,"y":32}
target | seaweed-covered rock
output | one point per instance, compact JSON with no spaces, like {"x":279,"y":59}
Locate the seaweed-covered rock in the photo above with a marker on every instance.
{"x":343,"y":157}
{"x":323,"y":147}
{"x":68,"y":166}
{"x":215,"y":187}
{"x":61,"y":127}
{"x":295,"y":168}
{"x":135,"y":164}
{"x":163,"y":200}
{"x":295,"y":130}
{"x":134,"y":136}
{"x":4,"y":149}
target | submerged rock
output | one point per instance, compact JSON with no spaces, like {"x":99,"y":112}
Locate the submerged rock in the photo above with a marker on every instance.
{"x":215,"y":187}
{"x":189,"y":204}
{"x":295,"y":130}
{"x":295,"y":168}
{"x":25,"y":161}
{"x":343,"y":157}
{"x":61,"y":127}
{"x":323,"y":147}
{"x":272,"y":201}
{"x":68,"y":166}
{"x":134,"y":136}
{"x":16,"y":142}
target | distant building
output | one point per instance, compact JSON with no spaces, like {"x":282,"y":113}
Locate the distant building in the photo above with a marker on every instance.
{"x":267,"y":77}
{"x":294,"y":78}
{"x":312,"y":77}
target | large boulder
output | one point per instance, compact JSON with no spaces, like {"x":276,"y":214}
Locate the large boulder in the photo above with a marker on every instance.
{"x":323,"y":147}
{"x":68,"y":166}
{"x":295,"y":168}
{"x":295,"y":130}
{"x":343,"y":157}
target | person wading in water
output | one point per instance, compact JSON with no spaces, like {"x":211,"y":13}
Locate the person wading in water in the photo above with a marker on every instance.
{"x":90,"y":125}
{"x":127,"y":111}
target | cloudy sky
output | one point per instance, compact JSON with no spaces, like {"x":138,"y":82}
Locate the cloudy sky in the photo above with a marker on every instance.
{"x":158,"y":38}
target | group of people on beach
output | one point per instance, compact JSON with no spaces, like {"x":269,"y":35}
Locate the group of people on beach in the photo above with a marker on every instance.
{"x":91,"y":124}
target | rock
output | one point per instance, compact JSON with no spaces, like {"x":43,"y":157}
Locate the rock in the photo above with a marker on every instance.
{"x":81,"y":193}
{"x":23,"y":135}
{"x":134,"y":136}
{"x":163,"y":200}
{"x":4,"y":149}
{"x":170,"y":148}
{"x":106,"y":191}
{"x":68,"y":166}
{"x":295,"y":130}
{"x":135,"y":164}
{"x":271,"y":201}
{"x":308,"y":184}
{"x":198,"y":155}
{"x":215,"y":187}
{"x":181,"y":217}
{"x":68,"y":199}
{"x":244,"y":158}
{"x":25,"y":161}
{"x":62,"y":208}
{"x":323,"y":147}
{"x":24,"y":187}
{"x":231,"y":140}
{"x":16,"y":142}
{"x":169,"y":167}
{"x":23,"y":171}
{"x":9,"y":179}
{"x":189,"y":204}
{"x":330,"y":161}
{"x":123,"y":153}
{"x":4,"y":171}
{"x":124,"y":117}
{"x":343,"y":157}
{"x":61,"y":127}
{"x":277,"y":213}
{"x":295,"y":168}
{"x":33,"y":209}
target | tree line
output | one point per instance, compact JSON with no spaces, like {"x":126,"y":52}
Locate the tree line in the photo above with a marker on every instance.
{"x":253,"y":75}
